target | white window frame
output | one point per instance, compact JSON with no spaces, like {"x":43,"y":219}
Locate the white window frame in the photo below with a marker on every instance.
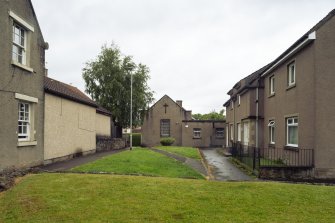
{"x":219,"y":133}
{"x":272,"y":85}
{"x":197,"y":133}
{"x":271,"y":126}
{"x":28,"y":29}
{"x":294,"y":123}
{"x":231,"y":132}
{"x":232,"y":104}
{"x":19,"y":42}
{"x":239,"y":99}
{"x":24,"y":121}
{"x":291,"y":73}
{"x":239,"y":132}
{"x":246,"y":133}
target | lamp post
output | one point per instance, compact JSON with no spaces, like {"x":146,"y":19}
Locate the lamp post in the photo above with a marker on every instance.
{"x":131,"y":111}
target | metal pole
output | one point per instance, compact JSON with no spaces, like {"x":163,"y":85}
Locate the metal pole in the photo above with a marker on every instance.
{"x":131,"y":111}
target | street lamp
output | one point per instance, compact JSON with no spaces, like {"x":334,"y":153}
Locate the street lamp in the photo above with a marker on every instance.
{"x":131,"y":110}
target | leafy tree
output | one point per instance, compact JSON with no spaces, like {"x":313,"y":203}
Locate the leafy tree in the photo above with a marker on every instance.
{"x":107,"y":80}
{"x":213,"y":115}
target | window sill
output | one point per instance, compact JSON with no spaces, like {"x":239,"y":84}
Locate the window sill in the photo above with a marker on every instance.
{"x":196,"y":137}
{"x":272,"y":145}
{"x":24,"y":67}
{"x":26,"y":143}
{"x":293,"y":148}
{"x":290,"y":87}
{"x":271,"y":95}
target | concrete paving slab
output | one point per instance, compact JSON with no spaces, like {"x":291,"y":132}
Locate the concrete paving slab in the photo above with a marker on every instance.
{"x":221,"y":167}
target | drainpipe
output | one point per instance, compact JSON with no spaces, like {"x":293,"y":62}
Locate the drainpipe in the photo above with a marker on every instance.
{"x":257,"y":112}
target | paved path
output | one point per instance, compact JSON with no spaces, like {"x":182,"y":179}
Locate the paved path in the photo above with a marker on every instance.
{"x":68,"y":164}
{"x":221,"y":168}
{"x":193,"y":163}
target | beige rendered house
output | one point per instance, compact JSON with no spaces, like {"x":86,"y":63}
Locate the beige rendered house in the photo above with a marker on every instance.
{"x":167,"y":118}
{"x":21,"y":85}
{"x":72,"y":122}
{"x":295,"y":105}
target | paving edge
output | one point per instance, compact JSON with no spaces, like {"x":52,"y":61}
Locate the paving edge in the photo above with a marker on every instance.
{"x":207,"y":166}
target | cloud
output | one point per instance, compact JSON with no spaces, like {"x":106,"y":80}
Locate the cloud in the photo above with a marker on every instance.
{"x":196,"y":49}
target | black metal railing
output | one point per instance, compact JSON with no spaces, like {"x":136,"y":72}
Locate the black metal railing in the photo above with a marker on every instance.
{"x":272,"y":157}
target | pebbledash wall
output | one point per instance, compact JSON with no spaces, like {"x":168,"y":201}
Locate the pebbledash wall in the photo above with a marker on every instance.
{"x":21,"y":81}
{"x":69,"y":128}
{"x":181,"y":126}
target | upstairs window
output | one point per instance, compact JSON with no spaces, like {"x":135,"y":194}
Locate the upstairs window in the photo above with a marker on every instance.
{"x":271,"y":126}
{"x":239,"y":99}
{"x":219,"y":133}
{"x":24,"y":121}
{"x":196,"y":133}
{"x":291,"y":74}
{"x":19,"y":44}
{"x":231,"y":132}
{"x":272,"y":85}
{"x":292,"y":131}
{"x":165,"y":128}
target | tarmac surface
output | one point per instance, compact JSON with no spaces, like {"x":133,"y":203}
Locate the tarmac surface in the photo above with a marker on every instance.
{"x":221,"y":168}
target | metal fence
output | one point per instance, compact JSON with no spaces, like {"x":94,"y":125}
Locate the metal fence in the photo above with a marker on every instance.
{"x":272,"y":157}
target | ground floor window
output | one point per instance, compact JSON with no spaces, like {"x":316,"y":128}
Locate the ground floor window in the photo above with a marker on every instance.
{"x":292,"y":131}
{"x":271,"y":126}
{"x":231,"y":131}
{"x":219,"y":133}
{"x":197,"y":133}
{"x":24,"y":121}
{"x":165,"y":127}
{"x":239,"y":132}
{"x":245,"y":133}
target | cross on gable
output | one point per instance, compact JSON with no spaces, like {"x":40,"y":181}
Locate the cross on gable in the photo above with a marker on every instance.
{"x":165,"y":106}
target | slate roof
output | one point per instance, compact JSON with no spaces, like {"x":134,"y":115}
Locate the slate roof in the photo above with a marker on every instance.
{"x":67,"y":91}
{"x":103,"y":111}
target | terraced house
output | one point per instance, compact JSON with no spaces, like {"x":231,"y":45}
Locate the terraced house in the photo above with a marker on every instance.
{"x":22,"y":60}
{"x":292,"y":105}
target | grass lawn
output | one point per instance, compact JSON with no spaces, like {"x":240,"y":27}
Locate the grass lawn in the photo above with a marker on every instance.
{"x":189,"y":152}
{"x":111,"y":198}
{"x":140,"y":161}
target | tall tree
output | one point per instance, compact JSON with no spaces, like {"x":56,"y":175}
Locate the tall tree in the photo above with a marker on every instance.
{"x":107,"y":81}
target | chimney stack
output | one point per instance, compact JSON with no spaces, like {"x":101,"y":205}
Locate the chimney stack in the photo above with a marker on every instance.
{"x":180,"y":103}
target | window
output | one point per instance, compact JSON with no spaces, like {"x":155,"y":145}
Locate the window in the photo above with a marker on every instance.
{"x":232,"y":105}
{"x":291,"y":74}
{"x":24,"y":121}
{"x":239,"y":131}
{"x":219,"y":133}
{"x":19,"y":44}
{"x":271,"y":126}
{"x":246,"y":133}
{"x":231,"y":132}
{"x":196,"y":133}
{"x":239,"y":99}
{"x":292,"y":131}
{"x":272,"y":85}
{"x":165,"y":128}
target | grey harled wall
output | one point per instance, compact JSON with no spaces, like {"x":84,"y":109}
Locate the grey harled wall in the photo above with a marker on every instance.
{"x":14,"y":79}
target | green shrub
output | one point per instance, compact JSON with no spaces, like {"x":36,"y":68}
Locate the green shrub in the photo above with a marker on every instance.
{"x":167,"y":141}
{"x":137,"y":139}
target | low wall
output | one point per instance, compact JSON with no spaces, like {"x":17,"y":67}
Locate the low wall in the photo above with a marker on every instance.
{"x":105,"y":143}
{"x":8,"y":175}
{"x":287,"y":173}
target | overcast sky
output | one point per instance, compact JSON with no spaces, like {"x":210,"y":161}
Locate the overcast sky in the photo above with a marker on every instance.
{"x":196,"y":49}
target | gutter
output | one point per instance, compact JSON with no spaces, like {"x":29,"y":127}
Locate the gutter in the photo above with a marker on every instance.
{"x":311,"y":37}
